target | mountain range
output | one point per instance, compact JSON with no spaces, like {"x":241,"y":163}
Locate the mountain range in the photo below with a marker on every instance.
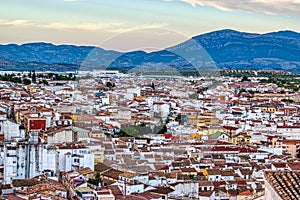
{"x":223,"y":49}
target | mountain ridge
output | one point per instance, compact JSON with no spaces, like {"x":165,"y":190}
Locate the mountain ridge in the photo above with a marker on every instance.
{"x":221,"y":49}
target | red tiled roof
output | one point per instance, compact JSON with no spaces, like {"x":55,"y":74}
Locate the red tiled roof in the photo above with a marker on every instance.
{"x":219,"y":183}
{"x":168,"y":135}
{"x":188,"y":169}
{"x":206,"y":193}
{"x":230,"y":127}
{"x":279,"y":165}
{"x":161,"y":167}
{"x":285,"y":183}
{"x":295,"y":166}
{"x":14,"y":197}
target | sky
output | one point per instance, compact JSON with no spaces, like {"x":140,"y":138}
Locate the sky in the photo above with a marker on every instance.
{"x":138,"y":24}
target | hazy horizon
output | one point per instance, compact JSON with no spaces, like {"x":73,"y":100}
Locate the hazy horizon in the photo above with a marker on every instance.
{"x":107,"y":23}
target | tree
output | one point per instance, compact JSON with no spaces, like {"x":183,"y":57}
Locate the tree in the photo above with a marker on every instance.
{"x":193,"y":96}
{"x":245,"y":78}
{"x":200,"y":91}
{"x":45,"y":82}
{"x":163,"y":130}
{"x":33,"y":77}
{"x":96,"y":180}
{"x":27,"y":81}
{"x":153,"y":86}
{"x":123,"y":133}
{"x":109,"y":84}
{"x":241,"y":91}
{"x":179,"y":118}
{"x":16,"y":80}
{"x":288,"y":100}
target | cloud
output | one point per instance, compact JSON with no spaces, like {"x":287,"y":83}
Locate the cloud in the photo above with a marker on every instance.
{"x":15,"y":23}
{"x":264,"y":6}
{"x":82,"y":27}
{"x":60,"y":25}
{"x":108,"y":27}
{"x":145,"y":26}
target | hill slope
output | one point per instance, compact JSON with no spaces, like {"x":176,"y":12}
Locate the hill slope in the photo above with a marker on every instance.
{"x":224,"y":49}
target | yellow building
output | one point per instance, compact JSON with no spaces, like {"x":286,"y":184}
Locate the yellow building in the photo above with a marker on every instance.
{"x":202,"y":121}
{"x":139,"y":98}
{"x":209,"y":130}
{"x":241,"y":138}
{"x":30,"y":89}
{"x":98,"y":133}
{"x":195,"y":136}
{"x":74,"y":118}
{"x":270,"y":110}
{"x":20,"y":114}
{"x":17,"y":117}
{"x":98,"y":156}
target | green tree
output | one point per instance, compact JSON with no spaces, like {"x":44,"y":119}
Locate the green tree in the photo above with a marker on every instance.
{"x":45,"y":82}
{"x":241,"y":91}
{"x":153,"y":86}
{"x":163,"y":130}
{"x":200,"y":91}
{"x":288,"y":100}
{"x":33,"y":77}
{"x":193,"y":96}
{"x":179,"y":118}
{"x":27,"y":81}
{"x":96,"y":180}
{"x":109,"y":84}
{"x":16,"y":80}
{"x":245,"y":78}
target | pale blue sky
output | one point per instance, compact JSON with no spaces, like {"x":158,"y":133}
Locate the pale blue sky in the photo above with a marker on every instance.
{"x":162,"y":22}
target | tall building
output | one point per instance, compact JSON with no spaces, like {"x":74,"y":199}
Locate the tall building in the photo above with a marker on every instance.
{"x":73,"y":157}
{"x":25,"y":160}
{"x":33,"y":158}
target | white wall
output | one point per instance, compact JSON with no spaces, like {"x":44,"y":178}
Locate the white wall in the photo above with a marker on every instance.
{"x":60,"y":137}
{"x":10,"y":129}
{"x":86,"y":158}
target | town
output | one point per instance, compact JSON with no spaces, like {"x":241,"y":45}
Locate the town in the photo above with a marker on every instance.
{"x":110,"y":135}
